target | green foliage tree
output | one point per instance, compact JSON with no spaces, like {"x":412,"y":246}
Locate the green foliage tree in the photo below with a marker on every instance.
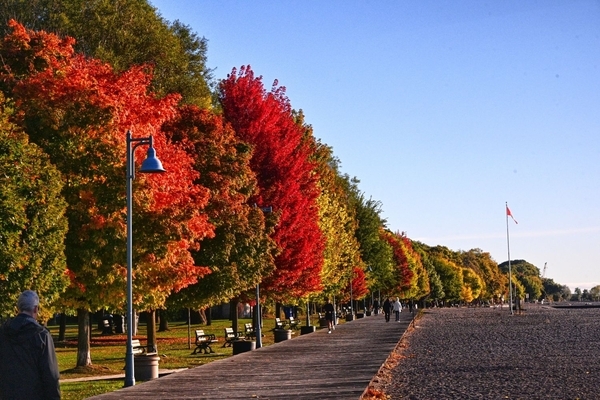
{"x":375,"y":251}
{"x":482,"y":263}
{"x":527,"y":274}
{"x":595,"y":293}
{"x":336,"y":219}
{"x":449,"y":272}
{"x":32,"y":220}
{"x":124,"y":33}
{"x":436,"y":288}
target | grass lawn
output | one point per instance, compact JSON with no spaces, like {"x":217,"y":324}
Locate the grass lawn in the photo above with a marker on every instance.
{"x":108,"y":353}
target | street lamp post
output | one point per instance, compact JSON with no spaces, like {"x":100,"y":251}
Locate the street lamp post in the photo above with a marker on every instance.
{"x":150,"y":165}
{"x":351,"y":305}
{"x":258,"y":327}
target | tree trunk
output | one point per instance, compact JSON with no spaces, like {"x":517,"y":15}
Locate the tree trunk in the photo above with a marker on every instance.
{"x":202,"y":316}
{"x":234,"y":313}
{"x":208,"y":316}
{"x":163,"y":321}
{"x":278,"y":310}
{"x":151,"y":331}
{"x":100,"y":316}
{"x":135,"y":322}
{"x":62,"y":327}
{"x":84,"y":358}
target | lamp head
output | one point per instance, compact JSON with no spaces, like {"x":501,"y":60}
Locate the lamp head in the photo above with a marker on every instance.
{"x":151,"y":164}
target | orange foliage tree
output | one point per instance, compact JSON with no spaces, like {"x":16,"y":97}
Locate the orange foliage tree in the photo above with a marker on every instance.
{"x":78,"y":110}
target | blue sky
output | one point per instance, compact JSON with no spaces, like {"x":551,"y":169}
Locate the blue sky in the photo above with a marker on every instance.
{"x":444,"y":110}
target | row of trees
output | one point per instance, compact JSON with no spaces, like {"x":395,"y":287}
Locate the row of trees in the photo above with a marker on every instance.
{"x":251,"y":195}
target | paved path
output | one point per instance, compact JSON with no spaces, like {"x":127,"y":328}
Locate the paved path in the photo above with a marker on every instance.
{"x":318,"y":365}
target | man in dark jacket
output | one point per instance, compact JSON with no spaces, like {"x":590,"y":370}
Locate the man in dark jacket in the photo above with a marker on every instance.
{"x":28,"y":366}
{"x":387,"y":308}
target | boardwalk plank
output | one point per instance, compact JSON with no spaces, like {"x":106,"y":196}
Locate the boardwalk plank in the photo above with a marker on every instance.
{"x":314,"y":366}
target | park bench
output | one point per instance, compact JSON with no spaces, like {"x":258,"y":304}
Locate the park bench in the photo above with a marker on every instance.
{"x":231,"y":336}
{"x":293,"y":323}
{"x":107,"y":326}
{"x":138,"y":348}
{"x":249,"y":331}
{"x":203,"y":342}
{"x":279,"y":324}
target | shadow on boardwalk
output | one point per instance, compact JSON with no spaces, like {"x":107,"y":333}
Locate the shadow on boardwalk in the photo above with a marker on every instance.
{"x":319,"y":365}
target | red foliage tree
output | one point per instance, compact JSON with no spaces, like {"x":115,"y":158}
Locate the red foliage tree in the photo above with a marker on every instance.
{"x":400,"y":246}
{"x":286,"y":178}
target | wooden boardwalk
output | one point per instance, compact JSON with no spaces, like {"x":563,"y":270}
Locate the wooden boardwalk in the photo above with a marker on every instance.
{"x":318,"y":365}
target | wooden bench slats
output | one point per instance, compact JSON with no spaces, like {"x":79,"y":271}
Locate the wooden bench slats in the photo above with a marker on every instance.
{"x":203,"y":341}
{"x":249,"y":331}
{"x":293,"y":323}
{"x":138,"y":348}
{"x":231,"y":336}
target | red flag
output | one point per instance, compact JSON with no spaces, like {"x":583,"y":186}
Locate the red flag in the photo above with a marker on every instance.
{"x":510,"y":215}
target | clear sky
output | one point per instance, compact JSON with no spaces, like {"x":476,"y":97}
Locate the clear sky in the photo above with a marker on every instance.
{"x":444,"y":110}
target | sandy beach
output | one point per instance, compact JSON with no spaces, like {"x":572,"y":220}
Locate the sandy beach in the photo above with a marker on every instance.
{"x":487,"y":353}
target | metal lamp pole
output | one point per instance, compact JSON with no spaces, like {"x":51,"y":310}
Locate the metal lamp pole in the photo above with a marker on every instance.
{"x":150,"y":165}
{"x":351,"y":305}
{"x":257,"y":328}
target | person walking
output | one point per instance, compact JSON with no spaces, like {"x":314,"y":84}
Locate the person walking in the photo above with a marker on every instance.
{"x":28,"y":365}
{"x":375,"y":307}
{"x":329,"y":310}
{"x":387,"y":308}
{"x":397,"y":307}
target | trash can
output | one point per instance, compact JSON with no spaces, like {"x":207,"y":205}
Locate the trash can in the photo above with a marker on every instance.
{"x":145,"y":367}
{"x":349,"y":317}
{"x":360,"y":315}
{"x":242,"y":346}
{"x":307,"y":329}
{"x":282,"y":334}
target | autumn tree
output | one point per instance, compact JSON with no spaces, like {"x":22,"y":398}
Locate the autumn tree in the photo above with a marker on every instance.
{"x":241,"y":251}
{"x":493,"y":279}
{"x":436,"y":288}
{"x":78,"y":110}
{"x":450,"y":273}
{"x":375,"y":252}
{"x":527,"y":274}
{"x":410,"y":276}
{"x":286,"y":179}
{"x":472,"y":285}
{"x":337,"y":220}
{"x":32,"y":222}
{"x":124,"y":33}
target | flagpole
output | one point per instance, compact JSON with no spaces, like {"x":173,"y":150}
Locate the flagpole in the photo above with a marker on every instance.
{"x":510,"y":305}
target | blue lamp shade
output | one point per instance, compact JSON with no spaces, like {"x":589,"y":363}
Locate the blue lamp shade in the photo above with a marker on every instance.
{"x":152,"y":164}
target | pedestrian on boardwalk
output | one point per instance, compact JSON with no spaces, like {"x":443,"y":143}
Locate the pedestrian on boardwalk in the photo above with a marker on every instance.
{"x":387,"y":308}
{"x":329,"y":310}
{"x":397,"y":307}
{"x":28,"y":366}
{"x":375,"y":307}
